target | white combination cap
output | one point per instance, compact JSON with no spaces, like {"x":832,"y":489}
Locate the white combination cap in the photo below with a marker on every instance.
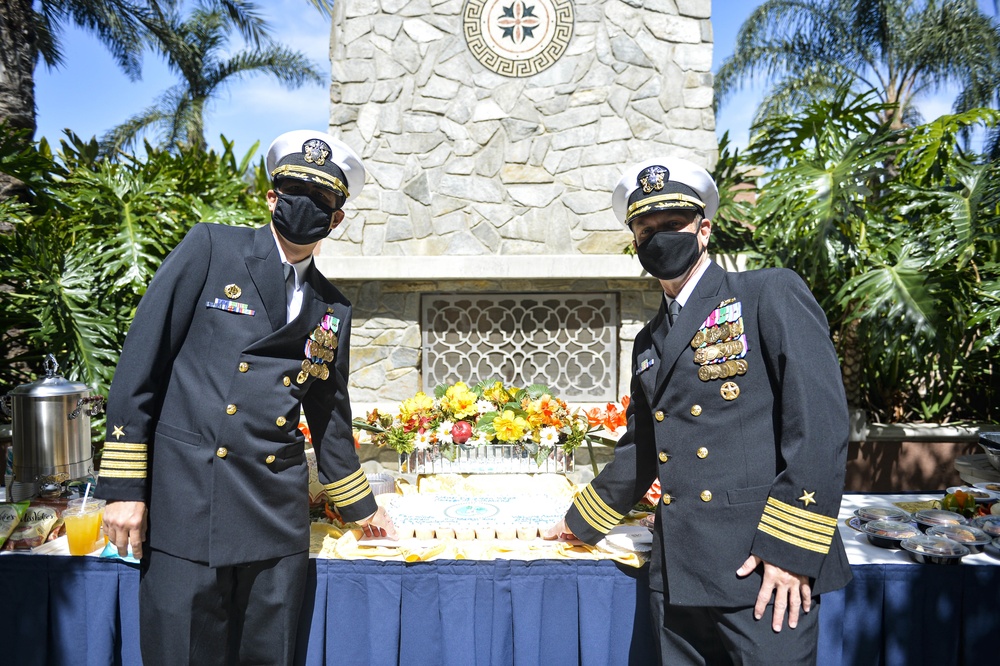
{"x":664,"y":183}
{"x":316,"y":157}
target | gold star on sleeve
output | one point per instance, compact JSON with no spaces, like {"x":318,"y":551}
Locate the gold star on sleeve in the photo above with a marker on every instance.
{"x":118,"y":432}
{"x":807,"y":497}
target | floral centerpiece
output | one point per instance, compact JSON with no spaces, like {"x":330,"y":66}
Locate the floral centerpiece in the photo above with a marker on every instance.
{"x":462,"y":419}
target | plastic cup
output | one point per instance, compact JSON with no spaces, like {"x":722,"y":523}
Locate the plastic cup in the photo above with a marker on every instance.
{"x":83,"y":525}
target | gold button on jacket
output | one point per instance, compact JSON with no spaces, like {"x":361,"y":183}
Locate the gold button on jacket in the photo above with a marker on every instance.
{"x":286,"y":380}
{"x":695,"y":410}
{"x":706,"y":496}
{"x":244,"y":366}
{"x":666,"y":499}
{"x":664,"y":457}
{"x":269,"y":459}
{"x":702,"y":452}
{"x":658,"y":416}
{"x":280,"y":421}
{"x":230,"y":409}
{"x":222,"y":452}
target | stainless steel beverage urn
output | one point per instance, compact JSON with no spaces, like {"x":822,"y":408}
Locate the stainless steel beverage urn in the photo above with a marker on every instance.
{"x":50,"y":436}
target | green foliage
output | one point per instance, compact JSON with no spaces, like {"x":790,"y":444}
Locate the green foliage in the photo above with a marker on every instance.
{"x":196,"y":48}
{"x":82,"y":250}
{"x":731,"y":231}
{"x":897,"y":233}
{"x":809,"y":50}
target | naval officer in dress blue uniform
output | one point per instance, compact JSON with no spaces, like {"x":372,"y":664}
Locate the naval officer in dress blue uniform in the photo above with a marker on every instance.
{"x":737,"y":406}
{"x":204,"y":467}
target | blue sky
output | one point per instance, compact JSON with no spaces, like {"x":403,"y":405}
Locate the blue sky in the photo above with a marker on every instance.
{"x":90,"y":95}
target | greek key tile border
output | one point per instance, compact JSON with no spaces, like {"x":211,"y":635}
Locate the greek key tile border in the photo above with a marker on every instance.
{"x":554,"y":20}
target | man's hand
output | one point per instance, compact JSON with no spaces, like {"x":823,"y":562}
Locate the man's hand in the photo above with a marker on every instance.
{"x":379,"y":524}
{"x":124,"y":525}
{"x":791,"y":592}
{"x":559,"y":531}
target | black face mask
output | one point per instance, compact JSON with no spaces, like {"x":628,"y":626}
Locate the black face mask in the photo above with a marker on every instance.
{"x":301,"y":220}
{"x":669,"y":254}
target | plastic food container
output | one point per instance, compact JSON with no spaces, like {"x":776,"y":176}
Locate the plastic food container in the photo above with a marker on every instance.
{"x":928,"y":549}
{"x":993,"y":548}
{"x":971,"y":537}
{"x":930,"y":517}
{"x":867,"y":513}
{"x":988,"y":524}
{"x":888,"y":533}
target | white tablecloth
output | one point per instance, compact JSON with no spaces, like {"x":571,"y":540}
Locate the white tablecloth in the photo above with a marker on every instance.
{"x":859,"y":551}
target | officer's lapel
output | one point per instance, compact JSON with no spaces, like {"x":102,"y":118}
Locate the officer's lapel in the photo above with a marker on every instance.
{"x":265,"y":271}
{"x":658,"y":335}
{"x":704,"y":299}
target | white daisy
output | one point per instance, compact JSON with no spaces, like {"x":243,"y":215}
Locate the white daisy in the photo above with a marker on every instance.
{"x":422,"y":441}
{"x":549,"y":436}
{"x":443,"y":432}
{"x":483,"y":406}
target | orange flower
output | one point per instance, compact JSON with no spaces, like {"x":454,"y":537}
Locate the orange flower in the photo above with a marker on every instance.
{"x":304,"y":427}
{"x":595,"y":417}
{"x":654,"y":493}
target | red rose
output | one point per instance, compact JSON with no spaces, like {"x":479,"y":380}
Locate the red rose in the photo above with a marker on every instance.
{"x":461,"y":432}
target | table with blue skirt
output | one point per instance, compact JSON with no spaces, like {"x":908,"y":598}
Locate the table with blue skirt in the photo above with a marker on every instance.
{"x":84,"y":610}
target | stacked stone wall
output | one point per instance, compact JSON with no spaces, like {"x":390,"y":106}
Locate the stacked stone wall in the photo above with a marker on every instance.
{"x":463,"y":161}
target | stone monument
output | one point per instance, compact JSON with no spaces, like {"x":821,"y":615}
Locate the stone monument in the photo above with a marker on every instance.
{"x":493,"y":132}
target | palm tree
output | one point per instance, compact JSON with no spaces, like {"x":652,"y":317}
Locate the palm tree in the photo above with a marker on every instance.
{"x":809,"y":49}
{"x":30,"y":31}
{"x":195,"y":49}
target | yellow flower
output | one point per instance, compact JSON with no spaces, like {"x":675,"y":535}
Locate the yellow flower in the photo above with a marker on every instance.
{"x":418,"y":404}
{"x":543,"y":412}
{"x":459,"y":401}
{"x":497,"y":394}
{"x":509,"y":427}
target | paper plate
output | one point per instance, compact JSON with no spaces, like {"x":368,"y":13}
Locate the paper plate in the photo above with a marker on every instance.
{"x":634,"y":538}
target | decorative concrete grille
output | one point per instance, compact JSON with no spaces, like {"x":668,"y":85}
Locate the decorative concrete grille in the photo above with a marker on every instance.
{"x":569,"y":342}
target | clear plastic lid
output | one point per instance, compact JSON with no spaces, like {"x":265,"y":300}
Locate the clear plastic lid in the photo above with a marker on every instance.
{"x":934,"y":546}
{"x":988,"y":524}
{"x":890,"y":529}
{"x":939,"y":517}
{"x":961,"y":533}
{"x":882,"y":513}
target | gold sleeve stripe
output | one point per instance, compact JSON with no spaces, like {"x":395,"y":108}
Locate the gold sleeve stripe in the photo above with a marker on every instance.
{"x":341,"y":497}
{"x":583,"y":514}
{"x":816,"y":548}
{"x":125,"y":446}
{"x":360,"y":494}
{"x":119,"y":455}
{"x":802,"y":513}
{"x":600,"y":522}
{"x":122,"y":464}
{"x":600,"y":505}
{"x":359,"y":485}
{"x":795,"y":531}
{"x":346,"y":481}
{"x":595,"y":511}
{"x":783,"y":517}
{"x":122,"y":474}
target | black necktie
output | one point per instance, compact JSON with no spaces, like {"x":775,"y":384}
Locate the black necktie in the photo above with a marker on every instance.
{"x":289,"y":282}
{"x":673,"y":309}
